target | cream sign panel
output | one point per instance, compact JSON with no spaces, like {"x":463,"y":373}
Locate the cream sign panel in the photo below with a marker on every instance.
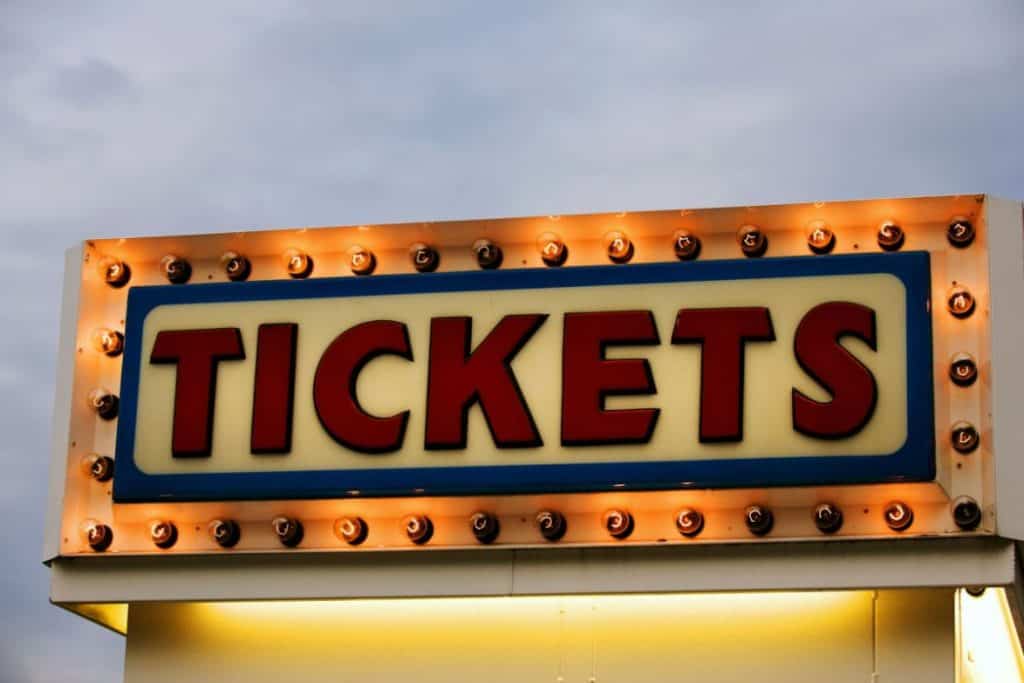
{"x":786,"y":371}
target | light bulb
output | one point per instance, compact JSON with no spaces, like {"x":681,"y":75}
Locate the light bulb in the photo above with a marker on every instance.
{"x":960,"y":301}
{"x":686,"y":245}
{"x":97,"y":535}
{"x":98,"y":467}
{"x":163,"y":533}
{"x":759,"y":519}
{"x":225,"y":532}
{"x":418,"y":528}
{"x":960,"y":232}
{"x":820,"y":238}
{"x":890,"y":236}
{"x":104,"y":403}
{"x":297,"y":263}
{"x":114,"y":272}
{"x":288,"y":530}
{"x":963,"y":370}
{"x":361,"y":260}
{"x":898,"y":515}
{"x":618,"y":523}
{"x":620,"y":248}
{"x":485,"y":526}
{"x":689,"y":522}
{"x":236,"y":266}
{"x":964,"y":437}
{"x":425,"y":258}
{"x":752,"y":240}
{"x":488,"y":254}
{"x":966,"y":513}
{"x":352,"y":530}
{"x":828,"y":518}
{"x":552,"y":249}
{"x":176,"y":269}
{"x":552,"y":524}
{"x":106,"y":341}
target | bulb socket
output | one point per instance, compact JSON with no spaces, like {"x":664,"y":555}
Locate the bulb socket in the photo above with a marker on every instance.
{"x":618,"y":523}
{"x":964,"y":437}
{"x":551,"y":524}
{"x":820,"y":238}
{"x":425,"y":258}
{"x":759,"y":519}
{"x":418,"y":528}
{"x":891,"y":236}
{"x":553,"y":251}
{"x":177,"y":270}
{"x":686,"y":245}
{"x":288,"y":530}
{"x":104,"y":403}
{"x":828,"y":518}
{"x":960,"y":232}
{"x":361,"y":260}
{"x":114,"y":272}
{"x":297,"y":263}
{"x":225,"y":532}
{"x":485,"y":527}
{"x":352,"y":530}
{"x":689,"y":522}
{"x":898,"y":515}
{"x":966,"y":513}
{"x":960,"y":302}
{"x":619,"y":247}
{"x":98,"y":536}
{"x":752,"y":240}
{"x":236,"y":266}
{"x":488,"y":254}
{"x":98,"y":467}
{"x":108,"y":342}
{"x":963,"y":370}
{"x":164,"y":534}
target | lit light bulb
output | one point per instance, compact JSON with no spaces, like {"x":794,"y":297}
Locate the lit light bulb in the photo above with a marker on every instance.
{"x":352,"y":530}
{"x":425,"y":258}
{"x":619,"y":523}
{"x":288,"y":531}
{"x":964,"y":437}
{"x":104,"y":403}
{"x":686,"y":245}
{"x":966,"y":513}
{"x":114,"y":272}
{"x":890,"y":236}
{"x":163,"y":533}
{"x":418,"y":528}
{"x":620,"y":247}
{"x":225,"y":532}
{"x":361,"y":260}
{"x":236,"y":266}
{"x":552,"y":524}
{"x":176,"y":269}
{"x":960,"y":301}
{"x":960,"y":232}
{"x":297,"y":263}
{"x":898,"y":515}
{"x":828,"y":518}
{"x":689,"y":522}
{"x":552,"y":249}
{"x":106,"y":341}
{"x":488,"y":254}
{"x":820,"y":238}
{"x":97,"y":535}
{"x":752,"y":240}
{"x":963,"y":370}
{"x":98,"y":467}
{"x":485,"y":526}
{"x":759,"y":519}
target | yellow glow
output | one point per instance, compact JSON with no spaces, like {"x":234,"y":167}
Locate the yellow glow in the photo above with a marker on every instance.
{"x":112,"y":615}
{"x":990,"y":649}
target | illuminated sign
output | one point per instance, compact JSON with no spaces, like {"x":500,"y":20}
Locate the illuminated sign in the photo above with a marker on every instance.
{"x":728,"y":373}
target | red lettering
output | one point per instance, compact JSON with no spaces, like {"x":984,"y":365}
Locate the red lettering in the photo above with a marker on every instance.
{"x":458,"y":379}
{"x":196,"y":353}
{"x":851,"y":385}
{"x":588,"y":377}
{"x":722,"y":334}
{"x":339,"y":368}
{"x":274,"y":389}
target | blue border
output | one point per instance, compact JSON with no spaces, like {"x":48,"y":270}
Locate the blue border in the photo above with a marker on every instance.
{"x":913,"y":461}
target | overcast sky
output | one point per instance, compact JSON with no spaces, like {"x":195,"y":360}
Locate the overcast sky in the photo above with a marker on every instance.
{"x":122,"y":120}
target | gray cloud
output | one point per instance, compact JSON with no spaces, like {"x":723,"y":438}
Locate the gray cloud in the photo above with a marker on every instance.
{"x":124,"y":119}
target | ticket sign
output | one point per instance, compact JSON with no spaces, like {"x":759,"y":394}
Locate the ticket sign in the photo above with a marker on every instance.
{"x":761,"y":372}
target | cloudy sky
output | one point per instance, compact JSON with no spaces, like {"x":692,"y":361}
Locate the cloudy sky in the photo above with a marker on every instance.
{"x":145,"y":118}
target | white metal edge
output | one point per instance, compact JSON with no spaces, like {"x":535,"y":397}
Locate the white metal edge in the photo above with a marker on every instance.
{"x":61,"y":420}
{"x":1006,"y":279}
{"x":805,"y":566}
